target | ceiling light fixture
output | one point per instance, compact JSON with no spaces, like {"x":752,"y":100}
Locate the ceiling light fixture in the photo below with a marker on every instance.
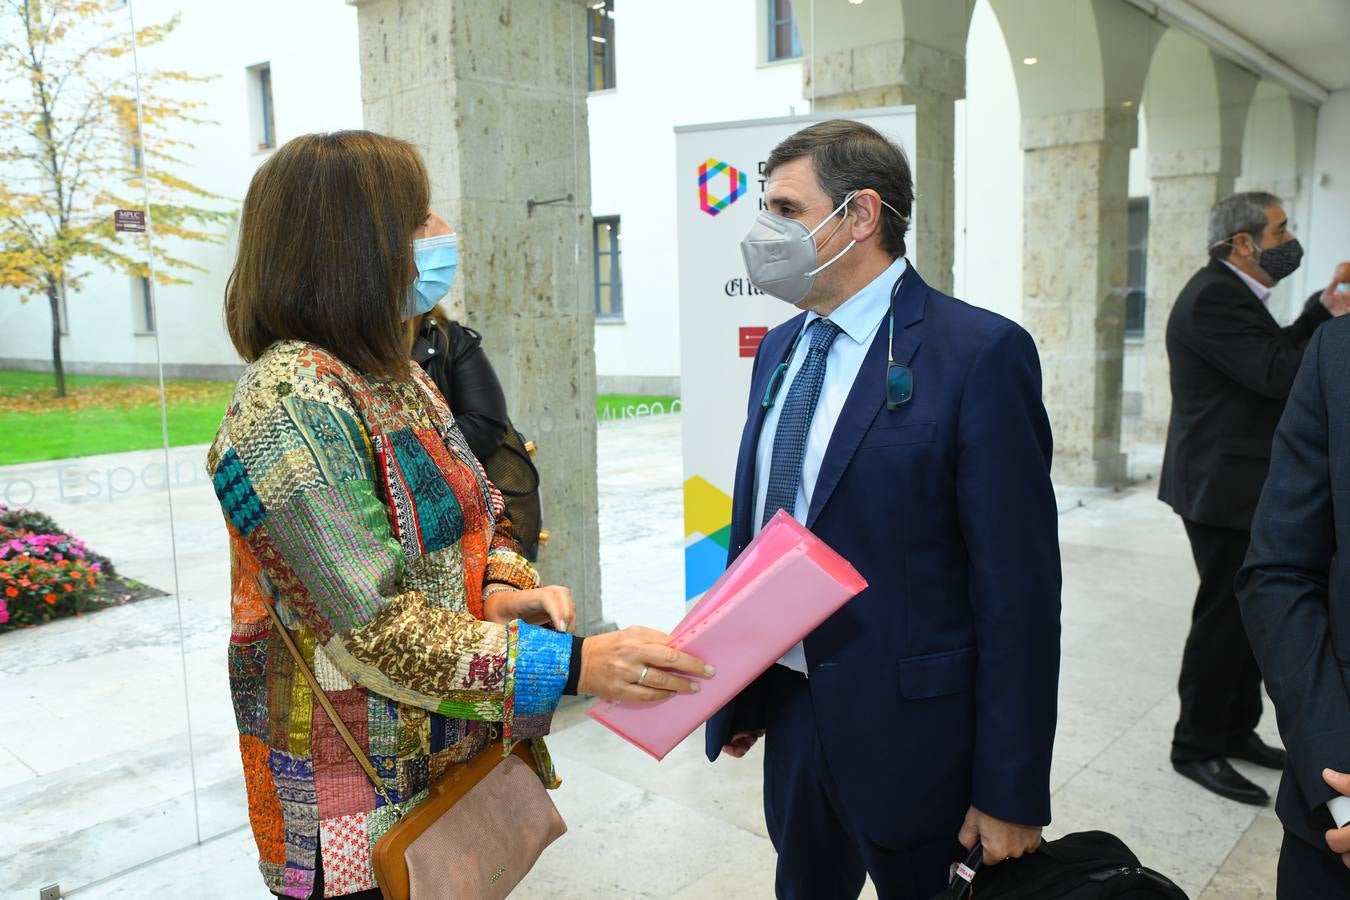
{"x":1030,"y":61}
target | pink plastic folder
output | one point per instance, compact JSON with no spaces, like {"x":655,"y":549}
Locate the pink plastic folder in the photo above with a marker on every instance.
{"x":777,"y":592}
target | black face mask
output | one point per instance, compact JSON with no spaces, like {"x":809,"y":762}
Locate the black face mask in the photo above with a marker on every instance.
{"x":1282,"y":261}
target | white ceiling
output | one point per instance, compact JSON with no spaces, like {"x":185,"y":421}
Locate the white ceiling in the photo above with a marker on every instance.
{"x":1310,"y":36}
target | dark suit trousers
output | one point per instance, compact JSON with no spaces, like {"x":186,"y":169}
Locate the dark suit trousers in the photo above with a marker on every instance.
{"x":822,"y":855}
{"x":1310,"y":873}
{"x":1220,"y":684}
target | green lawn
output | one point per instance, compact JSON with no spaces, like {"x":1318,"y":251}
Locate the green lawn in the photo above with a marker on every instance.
{"x":108,"y":415}
{"x":101,"y":415}
{"x":12,"y":383}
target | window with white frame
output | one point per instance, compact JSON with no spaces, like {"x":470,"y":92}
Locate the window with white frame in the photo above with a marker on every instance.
{"x":1136,"y":267}
{"x":600,"y":44}
{"x":784,"y":42}
{"x":262,"y":111}
{"x":608,"y":280}
{"x":142,"y":306}
{"x":134,"y":155}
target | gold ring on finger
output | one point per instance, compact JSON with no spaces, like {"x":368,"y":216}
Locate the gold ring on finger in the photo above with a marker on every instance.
{"x":642,"y":679}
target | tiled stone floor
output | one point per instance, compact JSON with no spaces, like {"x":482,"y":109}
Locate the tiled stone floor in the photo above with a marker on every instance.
{"x":95,"y":772}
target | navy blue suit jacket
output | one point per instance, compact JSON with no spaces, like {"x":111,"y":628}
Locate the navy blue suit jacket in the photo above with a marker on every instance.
{"x":936,"y":687}
{"x":1295,"y":586}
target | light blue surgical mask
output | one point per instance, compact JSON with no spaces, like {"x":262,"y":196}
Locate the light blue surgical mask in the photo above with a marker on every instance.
{"x":437,"y":258}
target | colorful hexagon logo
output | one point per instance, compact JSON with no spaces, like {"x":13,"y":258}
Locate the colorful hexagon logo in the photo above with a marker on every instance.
{"x":709,"y":169}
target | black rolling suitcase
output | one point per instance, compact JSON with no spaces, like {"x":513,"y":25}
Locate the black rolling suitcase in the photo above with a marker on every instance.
{"x":1083,"y":866}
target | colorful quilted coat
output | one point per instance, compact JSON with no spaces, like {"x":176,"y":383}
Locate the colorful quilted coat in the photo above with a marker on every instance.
{"x":357,"y":504}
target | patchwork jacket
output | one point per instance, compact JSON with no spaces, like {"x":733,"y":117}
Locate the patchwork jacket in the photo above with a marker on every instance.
{"x":357,"y":504}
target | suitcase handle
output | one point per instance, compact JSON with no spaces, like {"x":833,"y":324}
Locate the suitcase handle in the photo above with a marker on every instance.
{"x":963,"y":874}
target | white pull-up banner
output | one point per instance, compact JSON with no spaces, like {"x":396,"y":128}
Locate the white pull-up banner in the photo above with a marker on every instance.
{"x":720,"y":190}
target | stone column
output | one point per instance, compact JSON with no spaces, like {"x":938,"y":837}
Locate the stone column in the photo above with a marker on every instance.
{"x":1075,"y":177}
{"x":495,"y":98}
{"x":1184,"y":185}
{"x":904,"y":73}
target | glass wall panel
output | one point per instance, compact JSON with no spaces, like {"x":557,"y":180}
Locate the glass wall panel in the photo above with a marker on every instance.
{"x":273,"y":72}
{"x":94,"y":731}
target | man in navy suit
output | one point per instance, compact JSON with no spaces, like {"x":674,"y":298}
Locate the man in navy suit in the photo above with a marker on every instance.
{"x":1294,"y":589}
{"x":906,"y":429}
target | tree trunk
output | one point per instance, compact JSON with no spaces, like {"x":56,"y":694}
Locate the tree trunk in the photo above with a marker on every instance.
{"x":58,"y":370}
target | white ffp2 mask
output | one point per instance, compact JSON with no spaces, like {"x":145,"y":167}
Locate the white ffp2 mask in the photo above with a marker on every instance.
{"x":781,"y":257}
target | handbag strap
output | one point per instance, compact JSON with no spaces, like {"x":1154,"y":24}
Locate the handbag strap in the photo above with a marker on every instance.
{"x":322,"y":697}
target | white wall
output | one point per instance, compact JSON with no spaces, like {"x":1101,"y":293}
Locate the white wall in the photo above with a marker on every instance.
{"x":988,"y":252}
{"x":312,"y":48}
{"x":631,"y":134}
{"x":1140,"y":184}
{"x":1275,"y":154}
{"x":701,"y":65}
{"x":1132,"y":370}
{"x":988,"y":173}
{"x":1328,"y":236}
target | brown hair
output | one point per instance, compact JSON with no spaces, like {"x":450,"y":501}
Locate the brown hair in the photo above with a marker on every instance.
{"x":437,"y":317}
{"x":325,"y":250}
{"x":850,"y":156}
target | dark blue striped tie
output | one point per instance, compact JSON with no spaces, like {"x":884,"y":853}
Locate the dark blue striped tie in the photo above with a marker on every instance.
{"x":789,"y":441}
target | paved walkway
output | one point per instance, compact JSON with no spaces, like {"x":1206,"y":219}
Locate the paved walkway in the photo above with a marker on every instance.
{"x":95,"y":770}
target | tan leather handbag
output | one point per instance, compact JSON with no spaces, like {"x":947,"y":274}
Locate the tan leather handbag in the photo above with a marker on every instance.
{"x":478,"y":833}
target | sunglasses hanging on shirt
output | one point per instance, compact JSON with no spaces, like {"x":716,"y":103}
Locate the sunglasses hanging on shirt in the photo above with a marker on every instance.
{"x":899,"y":377}
{"x":776,"y":379}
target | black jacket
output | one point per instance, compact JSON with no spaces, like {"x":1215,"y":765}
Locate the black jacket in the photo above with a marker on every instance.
{"x":460,"y":368}
{"x":1295,"y":587}
{"x":1231,"y":368}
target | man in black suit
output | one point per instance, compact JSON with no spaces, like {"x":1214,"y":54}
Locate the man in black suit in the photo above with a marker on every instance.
{"x":1294,"y":592}
{"x":1231,"y":369}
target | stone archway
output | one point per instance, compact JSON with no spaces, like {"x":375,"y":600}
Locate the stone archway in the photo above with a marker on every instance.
{"x":1082,"y":75}
{"x":1196,"y":105}
{"x":1277,"y":156}
{"x":890,"y":53}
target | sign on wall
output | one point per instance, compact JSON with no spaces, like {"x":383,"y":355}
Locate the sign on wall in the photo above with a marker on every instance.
{"x":132,"y":220}
{"x":723,"y":318}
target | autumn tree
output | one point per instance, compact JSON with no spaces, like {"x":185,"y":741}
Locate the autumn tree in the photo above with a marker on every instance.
{"x":73,"y":149}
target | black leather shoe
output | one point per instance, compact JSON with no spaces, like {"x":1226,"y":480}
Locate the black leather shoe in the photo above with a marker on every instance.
{"x":1253,"y":750}
{"x":1218,"y":776}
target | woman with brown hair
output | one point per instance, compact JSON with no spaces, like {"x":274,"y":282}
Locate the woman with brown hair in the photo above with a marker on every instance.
{"x":355,"y":508}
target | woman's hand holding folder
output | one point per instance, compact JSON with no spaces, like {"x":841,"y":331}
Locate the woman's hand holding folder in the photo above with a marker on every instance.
{"x":780,"y":589}
{"x":636,"y":664}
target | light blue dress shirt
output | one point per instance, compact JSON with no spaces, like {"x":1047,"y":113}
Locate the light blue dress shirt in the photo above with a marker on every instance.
{"x":858,"y":319}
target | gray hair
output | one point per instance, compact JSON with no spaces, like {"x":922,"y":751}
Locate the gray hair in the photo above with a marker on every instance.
{"x":1243,"y":213}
